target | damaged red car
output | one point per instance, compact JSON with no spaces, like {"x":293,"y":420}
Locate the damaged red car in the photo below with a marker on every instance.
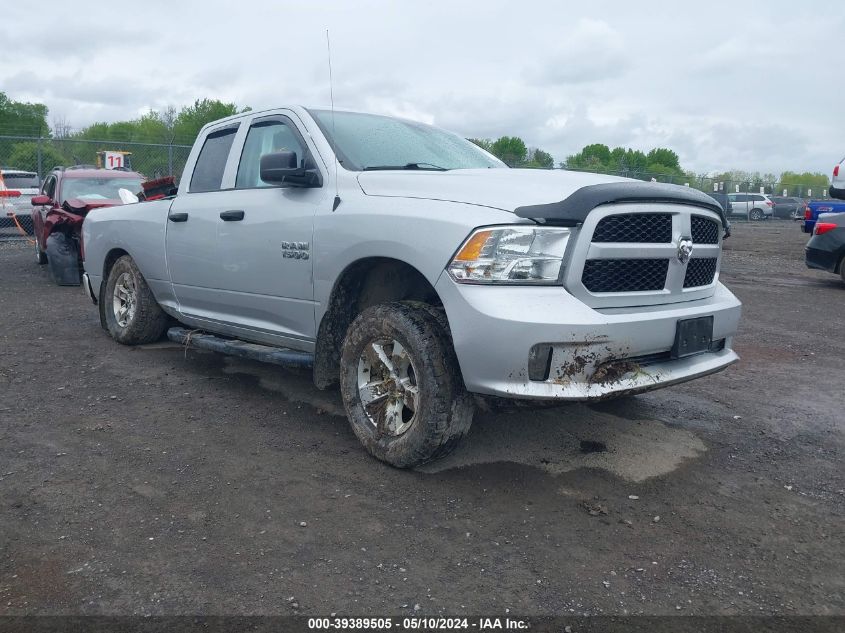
{"x":68,"y":194}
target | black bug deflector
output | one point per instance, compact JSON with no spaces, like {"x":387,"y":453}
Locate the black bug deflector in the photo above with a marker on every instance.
{"x":574,"y":210}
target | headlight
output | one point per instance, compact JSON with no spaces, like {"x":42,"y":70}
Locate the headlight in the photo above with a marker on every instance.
{"x":511,"y":255}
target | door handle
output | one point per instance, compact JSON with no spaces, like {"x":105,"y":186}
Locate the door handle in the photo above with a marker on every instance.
{"x":178,"y":217}
{"x":232,"y":216}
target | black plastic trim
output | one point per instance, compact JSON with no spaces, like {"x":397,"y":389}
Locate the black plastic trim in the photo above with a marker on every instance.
{"x":574,"y":210}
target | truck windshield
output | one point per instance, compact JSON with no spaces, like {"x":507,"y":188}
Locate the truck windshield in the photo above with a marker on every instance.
{"x":98,"y":188}
{"x":370,"y":142}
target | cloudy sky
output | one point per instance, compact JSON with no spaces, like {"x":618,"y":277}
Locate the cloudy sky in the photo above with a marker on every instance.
{"x":747,"y":85}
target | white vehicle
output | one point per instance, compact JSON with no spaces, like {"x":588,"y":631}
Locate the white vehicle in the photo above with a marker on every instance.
{"x":17,"y":187}
{"x":754,"y":206}
{"x":837,"y":184}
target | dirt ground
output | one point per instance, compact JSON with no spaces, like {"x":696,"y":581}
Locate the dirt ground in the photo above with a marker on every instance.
{"x":158,"y":481}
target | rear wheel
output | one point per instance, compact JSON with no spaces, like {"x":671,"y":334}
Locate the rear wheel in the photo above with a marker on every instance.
{"x":756,"y":214}
{"x":401,"y":384}
{"x":133,"y":316}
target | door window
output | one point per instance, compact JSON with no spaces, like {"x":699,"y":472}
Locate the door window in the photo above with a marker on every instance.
{"x":49,"y":187}
{"x":208,"y":172}
{"x":265,"y":137}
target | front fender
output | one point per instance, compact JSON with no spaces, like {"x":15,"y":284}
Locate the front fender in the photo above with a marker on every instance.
{"x":421,"y":233}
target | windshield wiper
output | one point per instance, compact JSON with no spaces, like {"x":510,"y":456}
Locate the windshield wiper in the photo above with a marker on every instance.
{"x":426,"y":166}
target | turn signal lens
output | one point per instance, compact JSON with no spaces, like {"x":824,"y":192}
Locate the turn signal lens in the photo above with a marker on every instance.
{"x":471,"y":250}
{"x":511,"y":255}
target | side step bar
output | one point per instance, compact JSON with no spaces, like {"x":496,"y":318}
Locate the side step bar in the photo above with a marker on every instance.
{"x":234,"y":347}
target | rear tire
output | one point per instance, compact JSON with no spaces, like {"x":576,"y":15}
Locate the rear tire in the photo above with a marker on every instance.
{"x":756,"y":215}
{"x":133,"y":317}
{"x":413,"y":408}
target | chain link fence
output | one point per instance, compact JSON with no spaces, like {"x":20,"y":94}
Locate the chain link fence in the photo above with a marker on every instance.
{"x":42,"y":154}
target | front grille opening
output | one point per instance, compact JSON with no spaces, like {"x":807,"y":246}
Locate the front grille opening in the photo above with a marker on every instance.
{"x":700,"y":272}
{"x":704,"y":230}
{"x":635,"y":227}
{"x":624,"y":275}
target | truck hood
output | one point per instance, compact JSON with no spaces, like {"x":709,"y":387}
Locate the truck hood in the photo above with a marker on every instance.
{"x":504,"y":189}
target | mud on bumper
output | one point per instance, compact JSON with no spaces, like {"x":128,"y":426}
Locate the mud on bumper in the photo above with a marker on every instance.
{"x":590,"y":353}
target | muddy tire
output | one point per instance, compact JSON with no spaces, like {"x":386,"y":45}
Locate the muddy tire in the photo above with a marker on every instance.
{"x":132,"y":315}
{"x":401,"y":384}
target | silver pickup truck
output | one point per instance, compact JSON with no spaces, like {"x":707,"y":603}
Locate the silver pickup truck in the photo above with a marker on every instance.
{"x":417,"y":271}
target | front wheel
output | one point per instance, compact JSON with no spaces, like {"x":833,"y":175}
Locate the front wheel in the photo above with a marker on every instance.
{"x":401,"y":384}
{"x":133,"y":317}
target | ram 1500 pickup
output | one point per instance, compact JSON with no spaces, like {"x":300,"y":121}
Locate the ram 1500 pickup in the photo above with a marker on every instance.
{"x":417,"y":271}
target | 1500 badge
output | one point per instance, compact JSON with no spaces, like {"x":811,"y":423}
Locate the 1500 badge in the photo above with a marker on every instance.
{"x":296,"y":250}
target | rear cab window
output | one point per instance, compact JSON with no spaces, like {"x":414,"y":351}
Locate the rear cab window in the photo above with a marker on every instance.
{"x":211,"y":163}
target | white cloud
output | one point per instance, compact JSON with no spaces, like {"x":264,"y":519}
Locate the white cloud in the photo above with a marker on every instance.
{"x":560,"y":75}
{"x":591,"y":51}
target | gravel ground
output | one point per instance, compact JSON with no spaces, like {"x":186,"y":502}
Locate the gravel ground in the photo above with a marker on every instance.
{"x":155,"y":480}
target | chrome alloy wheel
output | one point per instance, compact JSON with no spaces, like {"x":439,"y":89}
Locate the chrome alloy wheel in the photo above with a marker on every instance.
{"x":124,"y":299}
{"x":387,"y":386}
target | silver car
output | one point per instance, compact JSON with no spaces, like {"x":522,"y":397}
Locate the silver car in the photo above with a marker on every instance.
{"x":752,"y":206}
{"x":416,"y":271}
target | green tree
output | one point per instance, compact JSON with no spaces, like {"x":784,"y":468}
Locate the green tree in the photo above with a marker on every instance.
{"x":190,"y":119}
{"x":484,"y":143}
{"x":537,"y":158}
{"x":798,"y":184}
{"x":664,"y":157}
{"x":25,"y":156}
{"x":511,"y":150}
{"x":17,"y":117}
{"x":595,"y":157}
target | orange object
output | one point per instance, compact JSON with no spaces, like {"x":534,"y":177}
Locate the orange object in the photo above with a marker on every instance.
{"x":472,"y":249}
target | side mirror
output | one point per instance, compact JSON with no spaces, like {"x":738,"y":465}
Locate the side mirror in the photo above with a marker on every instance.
{"x":41,"y":201}
{"x":283,"y":168}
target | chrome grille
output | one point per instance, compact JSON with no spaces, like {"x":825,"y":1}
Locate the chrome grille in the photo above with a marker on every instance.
{"x":704,"y":230}
{"x":624,"y":275}
{"x":635,"y":227}
{"x":700,"y":272}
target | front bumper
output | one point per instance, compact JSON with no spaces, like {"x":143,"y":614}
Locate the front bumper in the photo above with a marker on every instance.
{"x":88,"y":289}
{"x":595,"y":353}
